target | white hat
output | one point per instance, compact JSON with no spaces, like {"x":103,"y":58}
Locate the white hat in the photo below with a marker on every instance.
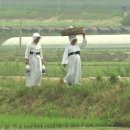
{"x":72,"y":37}
{"x":35,"y":35}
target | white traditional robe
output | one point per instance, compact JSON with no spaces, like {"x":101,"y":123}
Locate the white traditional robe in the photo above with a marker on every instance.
{"x":73,"y":62}
{"x":35,"y":63}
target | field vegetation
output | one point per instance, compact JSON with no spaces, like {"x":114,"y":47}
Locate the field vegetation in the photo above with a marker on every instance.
{"x":95,"y":62}
{"x":97,"y":102}
{"x":62,"y":13}
{"x":54,"y":69}
{"x":94,"y":103}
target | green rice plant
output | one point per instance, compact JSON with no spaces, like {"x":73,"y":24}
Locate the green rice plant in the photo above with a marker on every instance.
{"x":103,"y":129}
{"x":49,"y":9}
{"x":64,"y":15}
{"x":53,"y":69}
{"x":92,"y":104}
{"x":99,"y":78}
{"x":26,"y":121}
{"x":114,"y":78}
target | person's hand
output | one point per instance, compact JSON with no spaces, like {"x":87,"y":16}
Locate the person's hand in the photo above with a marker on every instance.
{"x":26,"y":61}
{"x":44,"y":62}
{"x":83,"y":35}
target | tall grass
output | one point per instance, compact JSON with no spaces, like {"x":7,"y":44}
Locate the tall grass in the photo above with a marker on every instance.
{"x":31,"y":121}
{"x":94,"y":62}
{"x":55,"y":69}
{"x":94,"y":103}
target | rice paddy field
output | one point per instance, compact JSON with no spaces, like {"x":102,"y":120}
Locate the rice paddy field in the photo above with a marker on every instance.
{"x":62,"y":13}
{"x":95,"y":62}
{"x":96,"y":103}
{"x":101,"y":102}
{"x":91,"y":128}
{"x":55,"y":105}
{"x":54,"y":69}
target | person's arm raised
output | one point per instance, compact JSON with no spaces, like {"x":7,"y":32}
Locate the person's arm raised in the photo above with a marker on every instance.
{"x":84,"y":42}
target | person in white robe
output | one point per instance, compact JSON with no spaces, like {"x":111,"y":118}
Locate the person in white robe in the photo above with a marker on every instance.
{"x":34,"y":60}
{"x":71,"y":60}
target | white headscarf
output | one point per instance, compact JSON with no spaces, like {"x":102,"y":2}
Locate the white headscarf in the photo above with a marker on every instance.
{"x":72,"y":37}
{"x":35,"y":35}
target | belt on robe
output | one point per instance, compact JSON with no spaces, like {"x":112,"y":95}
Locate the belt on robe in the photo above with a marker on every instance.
{"x":37,"y":53}
{"x":73,"y":53}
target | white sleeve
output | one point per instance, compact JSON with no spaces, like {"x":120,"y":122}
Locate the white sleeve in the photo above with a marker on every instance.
{"x":83,"y":44}
{"x":27,"y":51}
{"x":65,"y":56}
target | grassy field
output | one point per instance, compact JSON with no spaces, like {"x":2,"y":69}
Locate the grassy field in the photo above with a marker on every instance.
{"x":115,"y":21}
{"x":88,"y":128}
{"x":62,"y":13}
{"x":56,"y":106}
{"x":94,"y":62}
{"x":94,"y":103}
{"x":28,"y":121}
{"x":54,"y":69}
{"x":62,"y":9}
